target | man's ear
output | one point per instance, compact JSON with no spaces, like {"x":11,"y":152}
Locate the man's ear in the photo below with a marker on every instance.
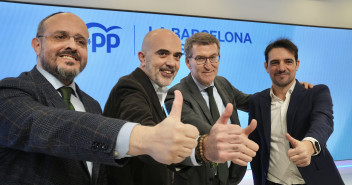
{"x":219,"y":58}
{"x":266,"y":66}
{"x":141,"y":56}
{"x":36,"y":45}
{"x":297,"y":65}
{"x":188,"y":62}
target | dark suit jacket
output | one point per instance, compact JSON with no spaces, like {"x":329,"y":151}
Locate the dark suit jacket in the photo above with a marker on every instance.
{"x":196,"y":112}
{"x":309,"y":115}
{"x":41,"y":142}
{"x":134,"y":99}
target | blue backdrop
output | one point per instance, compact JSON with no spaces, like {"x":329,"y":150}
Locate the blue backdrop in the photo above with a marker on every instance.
{"x":117,"y":36}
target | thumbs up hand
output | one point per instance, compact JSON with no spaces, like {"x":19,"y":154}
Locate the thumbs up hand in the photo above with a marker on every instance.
{"x":251,"y":147}
{"x":301,"y":153}
{"x":168,"y":142}
{"x":228,"y":142}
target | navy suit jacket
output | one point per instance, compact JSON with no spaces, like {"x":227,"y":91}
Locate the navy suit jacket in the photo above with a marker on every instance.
{"x":196,"y":112}
{"x":309,"y":114}
{"x":133,"y":98}
{"x":41,"y":142}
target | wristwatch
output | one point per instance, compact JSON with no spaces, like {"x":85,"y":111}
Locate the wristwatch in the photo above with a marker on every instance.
{"x":316,"y":147}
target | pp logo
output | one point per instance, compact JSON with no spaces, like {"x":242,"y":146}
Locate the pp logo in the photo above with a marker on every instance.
{"x":99,"y":40}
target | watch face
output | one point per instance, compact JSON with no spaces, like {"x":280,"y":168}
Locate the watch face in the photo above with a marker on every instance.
{"x":317,"y":146}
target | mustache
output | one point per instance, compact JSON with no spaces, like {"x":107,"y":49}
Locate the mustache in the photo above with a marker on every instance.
{"x":168,"y":68}
{"x":72,"y":53}
{"x":282,"y":72}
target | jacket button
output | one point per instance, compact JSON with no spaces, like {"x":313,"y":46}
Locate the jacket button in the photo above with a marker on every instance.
{"x":103,"y":146}
{"x":95,"y":145}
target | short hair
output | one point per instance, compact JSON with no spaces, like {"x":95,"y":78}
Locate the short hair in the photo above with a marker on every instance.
{"x":200,"y":38}
{"x":40,"y":29}
{"x":282,"y":43}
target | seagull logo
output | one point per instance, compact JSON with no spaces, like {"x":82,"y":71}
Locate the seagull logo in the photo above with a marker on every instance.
{"x":111,"y":40}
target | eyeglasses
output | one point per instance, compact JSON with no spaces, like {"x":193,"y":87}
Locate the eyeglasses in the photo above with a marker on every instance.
{"x":63,"y":37}
{"x":201,"y":60}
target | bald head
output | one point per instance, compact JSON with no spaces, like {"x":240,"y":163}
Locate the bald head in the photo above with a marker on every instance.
{"x":158,"y":35}
{"x":54,"y":17}
{"x":160,"y":56}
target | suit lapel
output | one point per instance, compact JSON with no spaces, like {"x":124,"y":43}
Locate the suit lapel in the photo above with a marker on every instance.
{"x":296,"y":99}
{"x":49,"y":96}
{"x":198,"y":96}
{"x":225,"y":98}
{"x":148,"y":87}
{"x":265,"y":106}
{"x":89,"y":107}
{"x":46,"y":92}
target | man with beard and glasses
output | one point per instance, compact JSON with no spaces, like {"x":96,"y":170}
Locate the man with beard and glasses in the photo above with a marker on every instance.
{"x":294,"y":125}
{"x":51,"y":132}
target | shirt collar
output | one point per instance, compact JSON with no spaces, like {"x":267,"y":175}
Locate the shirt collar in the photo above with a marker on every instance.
{"x":160,"y":91}
{"x":200,"y":86}
{"x":158,"y":88}
{"x":57,"y":84}
{"x":289,"y":92}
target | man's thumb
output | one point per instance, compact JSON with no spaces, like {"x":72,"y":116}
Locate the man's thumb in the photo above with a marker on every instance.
{"x":293,"y":141}
{"x":225,"y":115}
{"x":177,"y":106}
{"x":250,"y":128}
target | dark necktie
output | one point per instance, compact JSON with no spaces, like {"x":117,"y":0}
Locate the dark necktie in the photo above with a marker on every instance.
{"x":212,"y":104}
{"x":221,"y":168}
{"x":66,"y":96}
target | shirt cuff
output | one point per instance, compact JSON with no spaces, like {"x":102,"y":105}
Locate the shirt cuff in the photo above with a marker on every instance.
{"x":193,"y":158}
{"x":123,"y":140}
{"x":313,"y":141}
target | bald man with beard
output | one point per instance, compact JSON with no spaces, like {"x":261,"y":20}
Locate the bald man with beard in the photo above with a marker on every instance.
{"x":139,"y":96}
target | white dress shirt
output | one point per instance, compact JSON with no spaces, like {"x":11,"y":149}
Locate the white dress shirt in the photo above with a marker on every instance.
{"x":281,"y":169}
{"x":161,"y":92}
{"x":219,"y":104}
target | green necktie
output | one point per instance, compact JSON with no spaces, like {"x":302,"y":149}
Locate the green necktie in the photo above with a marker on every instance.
{"x":212,"y":104}
{"x":66,"y":96}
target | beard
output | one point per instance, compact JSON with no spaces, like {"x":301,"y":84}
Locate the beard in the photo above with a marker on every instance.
{"x":153,"y":74}
{"x":62,"y":74}
{"x":283,"y":83}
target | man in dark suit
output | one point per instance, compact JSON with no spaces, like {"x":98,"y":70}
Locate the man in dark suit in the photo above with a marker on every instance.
{"x":222,"y":143}
{"x":294,"y":125}
{"x":139,"y":97}
{"x":44,"y":141}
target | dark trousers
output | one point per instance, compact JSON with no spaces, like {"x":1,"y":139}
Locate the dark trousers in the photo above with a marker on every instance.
{"x":273,"y":183}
